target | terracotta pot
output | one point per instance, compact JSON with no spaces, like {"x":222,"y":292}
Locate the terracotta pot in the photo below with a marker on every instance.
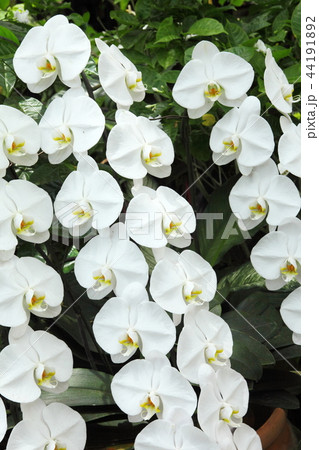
{"x":276,"y":432}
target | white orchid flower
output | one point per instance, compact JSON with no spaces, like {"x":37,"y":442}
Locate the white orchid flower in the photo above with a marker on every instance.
{"x":205,"y":339}
{"x":107,"y":263}
{"x":260,"y":46}
{"x":212,"y":76}
{"x":180,"y":280}
{"x":177,"y":432}
{"x":290,"y":311}
{"x":20,"y":14}
{"x":155,"y":218}
{"x":56,"y":49}
{"x":26,"y":212}
{"x":222,"y":403}
{"x":19,"y":138}
{"x":264,"y":194}
{"x":28,"y":286}
{"x":34,"y":362}
{"x":277,"y":87}
{"x":72,"y":123}
{"x":119,"y":78}
{"x":151,"y":386}
{"x":246,"y":438}
{"x":131,"y":321}
{"x":137,"y":146}
{"x":51,"y":427}
{"x":289,"y":147}
{"x":276,"y":256}
{"x":89,"y":197}
{"x":3,"y":420}
{"x":242,"y":135}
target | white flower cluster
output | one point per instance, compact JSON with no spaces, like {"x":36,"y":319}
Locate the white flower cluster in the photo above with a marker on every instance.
{"x":182,"y":283}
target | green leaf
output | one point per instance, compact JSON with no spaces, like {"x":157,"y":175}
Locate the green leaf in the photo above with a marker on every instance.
{"x":206,"y":27}
{"x":217,"y":231}
{"x":4,"y":4}
{"x":188,"y":54}
{"x":170,"y":76}
{"x":245,"y":277}
{"x":199,"y":148}
{"x":261,"y":327}
{"x":143,"y":9}
{"x":236,"y":34}
{"x":249,"y":356}
{"x":244,"y":52}
{"x":134,"y":39}
{"x":296,"y":23}
{"x":257,"y":23}
{"x":280,"y":21}
{"x":86,"y":387}
{"x":149,"y":256}
{"x":17,"y":28}
{"x":166,"y":58}
{"x":8,"y":35}
{"x":237,"y":2}
{"x":123,"y":4}
{"x":279,"y":52}
{"x":293,"y":73}
{"x":275,"y":399}
{"x":45,"y":173}
{"x":167,"y":31}
{"x":171,"y":128}
{"x":8,"y":43}
{"x":7,"y":78}
{"x":278,"y":37}
{"x":124,"y":18}
{"x":32,"y":107}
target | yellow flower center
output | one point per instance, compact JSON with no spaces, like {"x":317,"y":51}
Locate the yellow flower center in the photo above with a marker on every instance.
{"x":150,"y":405}
{"x":173,"y":226}
{"x":215,"y":357}
{"x":62,"y":140}
{"x":47,"y":67}
{"x":101,"y":279}
{"x":213,"y":91}
{"x":25,"y":226}
{"x":230,"y":145}
{"x":16,"y":148}
{"x":81,"y":214}
{"x":45,"y":378}
{"x":35,"y":302}
{"x":289,"y":271}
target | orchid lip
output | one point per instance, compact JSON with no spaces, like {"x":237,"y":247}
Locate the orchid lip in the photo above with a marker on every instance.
{"x":150,"y":405}
{"x":63,"y":136}
{"x":191,"y":293}
{"x":134,"y":81}
{"x":15,"y":146}
{"x":150,"y":155}
{"x":47,"y":65}
{"x":45,"y":376}
{"x":23,"y":226}
{"x":229,"y":415}
{"x":231,"y":144}
{"x":129,"y":342}
{"x":54,"y":445}
{"x":213,"y":91}
{"x":35,"y":301}
{"x":258,"y":209}
{"x":213,"y":355}
{"x":103,"y":278}
{"x":83,"y":212}
{"x":172,"y":225}
{"x":289,"y":271}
